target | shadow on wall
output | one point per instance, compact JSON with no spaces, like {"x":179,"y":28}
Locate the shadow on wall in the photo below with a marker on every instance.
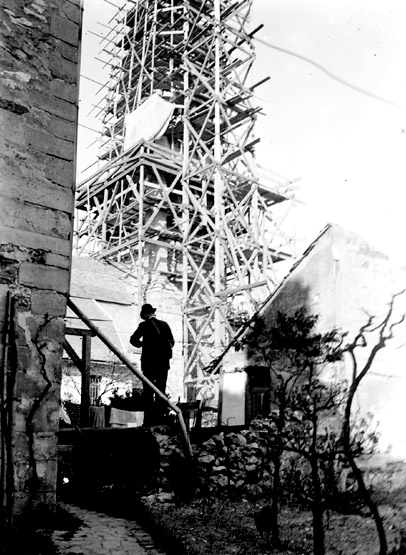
{"x":291,"y":296}
{"x":246,"y":383}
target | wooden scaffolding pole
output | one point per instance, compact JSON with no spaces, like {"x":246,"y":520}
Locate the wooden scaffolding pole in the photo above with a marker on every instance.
{"x":201,"y":172}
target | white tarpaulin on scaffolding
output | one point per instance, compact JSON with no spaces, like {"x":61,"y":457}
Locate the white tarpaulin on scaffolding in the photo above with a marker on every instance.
{"x":148,"y":122}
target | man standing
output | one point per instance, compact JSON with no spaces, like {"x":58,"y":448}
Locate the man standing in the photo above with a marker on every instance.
{"x":156,"y":340}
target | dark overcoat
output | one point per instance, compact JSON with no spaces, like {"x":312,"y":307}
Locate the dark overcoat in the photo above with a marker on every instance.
{"x":156,"y":340}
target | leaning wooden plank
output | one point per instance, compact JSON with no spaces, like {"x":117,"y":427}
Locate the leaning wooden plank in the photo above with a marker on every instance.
{"x":134,"y":370}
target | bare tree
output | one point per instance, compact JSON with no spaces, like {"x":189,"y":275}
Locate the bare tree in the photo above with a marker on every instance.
{"x":308,"y":436}
{"x":293,"y":351}
{"x":384,"y":331}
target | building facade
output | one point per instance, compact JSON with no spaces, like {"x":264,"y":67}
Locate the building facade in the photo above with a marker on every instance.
{"x":38,"y":114}
{"x":345,"y":281}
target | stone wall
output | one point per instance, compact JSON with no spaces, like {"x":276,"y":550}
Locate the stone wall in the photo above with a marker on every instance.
{"x":39,"y":48}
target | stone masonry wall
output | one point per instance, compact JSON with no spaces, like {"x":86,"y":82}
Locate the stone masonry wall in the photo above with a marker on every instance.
{"x":39,"y":48}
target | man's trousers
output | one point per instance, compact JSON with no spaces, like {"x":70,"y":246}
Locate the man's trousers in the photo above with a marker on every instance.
{"x":155,"y":408}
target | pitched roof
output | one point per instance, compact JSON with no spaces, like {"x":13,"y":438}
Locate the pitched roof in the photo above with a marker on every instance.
{"x":98,"y":289}
{"x":93,"y":279}
{"x":334,"y":228}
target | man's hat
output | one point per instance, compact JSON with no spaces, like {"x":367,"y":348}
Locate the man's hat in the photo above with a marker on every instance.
{"x":147,"y":309}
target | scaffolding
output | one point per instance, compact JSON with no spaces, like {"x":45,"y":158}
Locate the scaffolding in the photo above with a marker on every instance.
{"x":178,"y":191}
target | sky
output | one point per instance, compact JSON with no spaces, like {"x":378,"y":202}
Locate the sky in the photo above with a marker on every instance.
{"x":334,"y":110}
{"x":347,"y":148}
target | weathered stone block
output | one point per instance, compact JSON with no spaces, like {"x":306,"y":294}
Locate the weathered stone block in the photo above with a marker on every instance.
{"x":45,"y":142}
{"x":53,"y":369}
{"x":62,"y":69}
{"x":35,"y":219}
{"x":35,"y":190}
{"x":12,"y":129}
{"x":48,"y":302}
{"x":21,"y":446}
{"x":59,"y":171}
{"x":24,"y":357}
{"x":50,"y":330}
{"x":28,"y":386}
{"x":69,"y":53}
{"x":28,"y":239}
{"x":8,"y":271}
{"x":61,"y":128}
{"x":54,"y":105}
{"x":64,"y":91}
{"x":46,"y":417}
{"x":43,"y":277}
{"x":46,"y":446}
{"x":19,"y":420}
{"x":72,"y":11}
{"x":58,"y":260}
{"x":64,"y":29}
{"x":21,"y":474}
{"x":46,"y":474}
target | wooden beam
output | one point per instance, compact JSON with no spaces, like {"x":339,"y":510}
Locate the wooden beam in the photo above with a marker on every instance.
{"x":235,"y":290}
{"x":70,"y":351}
{"x":85,"y":391}
{"x":79,"y":331}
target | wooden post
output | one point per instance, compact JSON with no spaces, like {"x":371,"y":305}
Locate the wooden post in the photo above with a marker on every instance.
{"x":85,"y":391}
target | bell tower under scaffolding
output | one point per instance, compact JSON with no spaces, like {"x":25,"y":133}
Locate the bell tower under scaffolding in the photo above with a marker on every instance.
{"x":178,"y":192}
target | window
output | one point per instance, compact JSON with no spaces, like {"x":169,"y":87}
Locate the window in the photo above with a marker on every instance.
{"x":258,"y":397}
{"x":95,"y":389}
